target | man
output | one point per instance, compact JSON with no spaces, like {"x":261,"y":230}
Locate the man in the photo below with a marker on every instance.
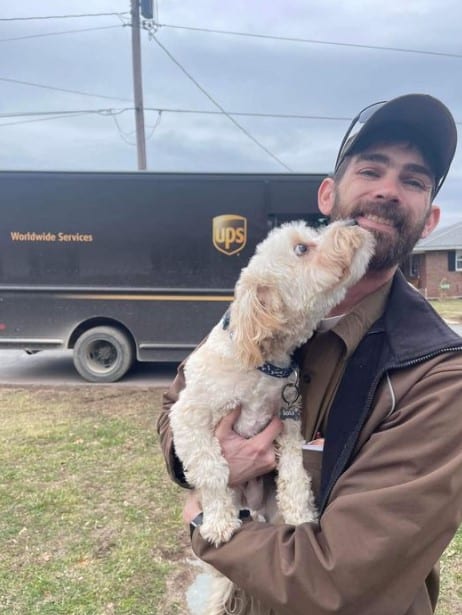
{"x":382,"y":384}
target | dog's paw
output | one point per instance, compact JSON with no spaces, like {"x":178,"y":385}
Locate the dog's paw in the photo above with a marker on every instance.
{"x":218,"y":531}
{"x":298,"y":519}
{"x":301,"y":516}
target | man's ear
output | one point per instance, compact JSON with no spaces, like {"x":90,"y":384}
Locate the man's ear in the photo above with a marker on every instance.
{"x":432,"y":221}
{"x":326,"y":196}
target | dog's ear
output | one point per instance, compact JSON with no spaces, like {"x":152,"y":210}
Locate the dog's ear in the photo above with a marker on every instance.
{"x":257,"y":315}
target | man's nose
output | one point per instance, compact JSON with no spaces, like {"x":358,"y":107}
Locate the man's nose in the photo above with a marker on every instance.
{"x":388,"y":188}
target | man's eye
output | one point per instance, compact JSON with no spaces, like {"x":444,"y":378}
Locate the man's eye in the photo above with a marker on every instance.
{"x":300,"y":249}
{"x":415,"y":183}
{"x":369,"y":172}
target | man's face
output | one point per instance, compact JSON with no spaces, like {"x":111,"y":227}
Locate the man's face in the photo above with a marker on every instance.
{"x":387,"y":190}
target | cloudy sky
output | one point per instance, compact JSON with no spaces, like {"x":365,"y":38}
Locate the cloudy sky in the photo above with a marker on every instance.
{"x":315,"y":62}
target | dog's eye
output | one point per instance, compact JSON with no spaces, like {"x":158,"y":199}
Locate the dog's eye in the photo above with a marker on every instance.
{"x":300,"y":249}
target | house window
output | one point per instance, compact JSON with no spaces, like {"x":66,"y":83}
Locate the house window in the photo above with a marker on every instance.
{"x":458,"y":260}
{"x":414,"y":265}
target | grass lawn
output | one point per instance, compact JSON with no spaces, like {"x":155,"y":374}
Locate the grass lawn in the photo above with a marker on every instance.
{"x":450,"y":309}
{"x":89,"y":522}
{"x":451,"y":579}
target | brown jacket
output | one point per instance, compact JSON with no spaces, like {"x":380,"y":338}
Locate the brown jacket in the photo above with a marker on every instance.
{"x":390,"y":513}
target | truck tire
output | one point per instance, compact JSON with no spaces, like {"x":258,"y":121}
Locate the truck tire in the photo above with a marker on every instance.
{"x":103,"y":354}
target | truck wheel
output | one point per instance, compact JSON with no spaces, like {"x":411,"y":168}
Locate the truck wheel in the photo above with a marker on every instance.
{"x":103,"y":354}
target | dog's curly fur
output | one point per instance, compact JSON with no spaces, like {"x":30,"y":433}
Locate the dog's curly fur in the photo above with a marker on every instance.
{"x":295,"y":278}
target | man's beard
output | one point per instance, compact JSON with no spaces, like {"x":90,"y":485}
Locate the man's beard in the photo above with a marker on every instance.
{"x":391,"y":248}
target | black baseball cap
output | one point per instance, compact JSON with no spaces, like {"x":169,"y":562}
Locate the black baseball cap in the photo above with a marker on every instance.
{"x":419,"y":114}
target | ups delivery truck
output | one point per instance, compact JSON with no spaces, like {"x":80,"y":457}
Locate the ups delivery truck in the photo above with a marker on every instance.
{"x":131,"y":266}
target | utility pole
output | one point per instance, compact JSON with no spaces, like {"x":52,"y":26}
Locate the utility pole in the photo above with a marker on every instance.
{"x":138,"y":87}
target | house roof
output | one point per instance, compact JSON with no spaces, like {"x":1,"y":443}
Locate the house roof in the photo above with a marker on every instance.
{"x":447,"y":238}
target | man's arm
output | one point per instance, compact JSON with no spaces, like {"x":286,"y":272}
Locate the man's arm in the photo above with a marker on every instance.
{"x":390,"y":516}
{"x":174,"y":467}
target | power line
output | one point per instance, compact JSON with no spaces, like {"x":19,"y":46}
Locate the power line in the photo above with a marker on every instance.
{"x":212,"y":100}
{"x":63,"y":112}
{"x":61,"y":16}
{"x":125,"y":136}
{"x":57,"y":115}
{"x":41,"y":119}
{"x":293,"y":39}
{"x":288,"y":116}
{"x":159,"y":110}
{"x":290,"y":39}
{"x":67,"y":91}
{"x":189,"y":111}
{"x":226,"y":32}
{"x":61,"y":32}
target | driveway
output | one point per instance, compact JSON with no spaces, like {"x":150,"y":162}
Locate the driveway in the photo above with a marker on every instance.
{"x":54,"y":367}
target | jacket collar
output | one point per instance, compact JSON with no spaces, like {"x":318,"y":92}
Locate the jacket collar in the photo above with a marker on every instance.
{"x":412,"y":326}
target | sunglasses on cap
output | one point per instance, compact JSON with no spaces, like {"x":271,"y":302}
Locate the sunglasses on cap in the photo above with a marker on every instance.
{"x":354,"y":128}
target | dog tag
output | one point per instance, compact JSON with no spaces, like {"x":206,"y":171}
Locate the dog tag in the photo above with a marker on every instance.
{"x":290,"y":393}
{"x":291,"y":412}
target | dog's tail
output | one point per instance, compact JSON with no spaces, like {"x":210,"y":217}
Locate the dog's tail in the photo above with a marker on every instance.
{"x":220,"y":594}
{"x":227,"y":599}
{"x":223,"y":599}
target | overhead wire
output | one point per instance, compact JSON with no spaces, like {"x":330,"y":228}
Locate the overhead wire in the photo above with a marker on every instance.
{"x":284,"y":116}
{"x":217,"y":104}
{"x":57,"y":114}
{"x":60,"y":112}
{"x":223,"y":111}
{"x":289,"y":116}
{"x":295,"y":39}
{"x":152,"y":26}
{"x":125,"y":136}
{"x":155,"y":126}
{"x":61,"y":32}
{"x":68,"y":91}
{"x":42,"y":119}
{"x":41,"y":17}
{"x":161,"y":110}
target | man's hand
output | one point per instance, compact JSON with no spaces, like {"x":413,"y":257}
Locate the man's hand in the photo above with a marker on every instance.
{"x":247,"y":457}
{"x":192,"y":507}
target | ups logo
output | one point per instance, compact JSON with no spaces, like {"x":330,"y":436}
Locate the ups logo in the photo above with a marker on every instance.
{"x":229,"y":233}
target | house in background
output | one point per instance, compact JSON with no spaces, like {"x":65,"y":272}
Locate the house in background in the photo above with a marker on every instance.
{"x":435,"y":265}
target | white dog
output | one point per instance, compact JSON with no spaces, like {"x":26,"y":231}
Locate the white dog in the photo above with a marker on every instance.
{"x":293,"y":281}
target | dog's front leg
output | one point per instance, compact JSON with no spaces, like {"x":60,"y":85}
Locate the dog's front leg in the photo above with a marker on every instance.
{"x":293,"y":484}
{"x":209,"y":473}
{"x":205,"y":469}
{"x":221,"y":510}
